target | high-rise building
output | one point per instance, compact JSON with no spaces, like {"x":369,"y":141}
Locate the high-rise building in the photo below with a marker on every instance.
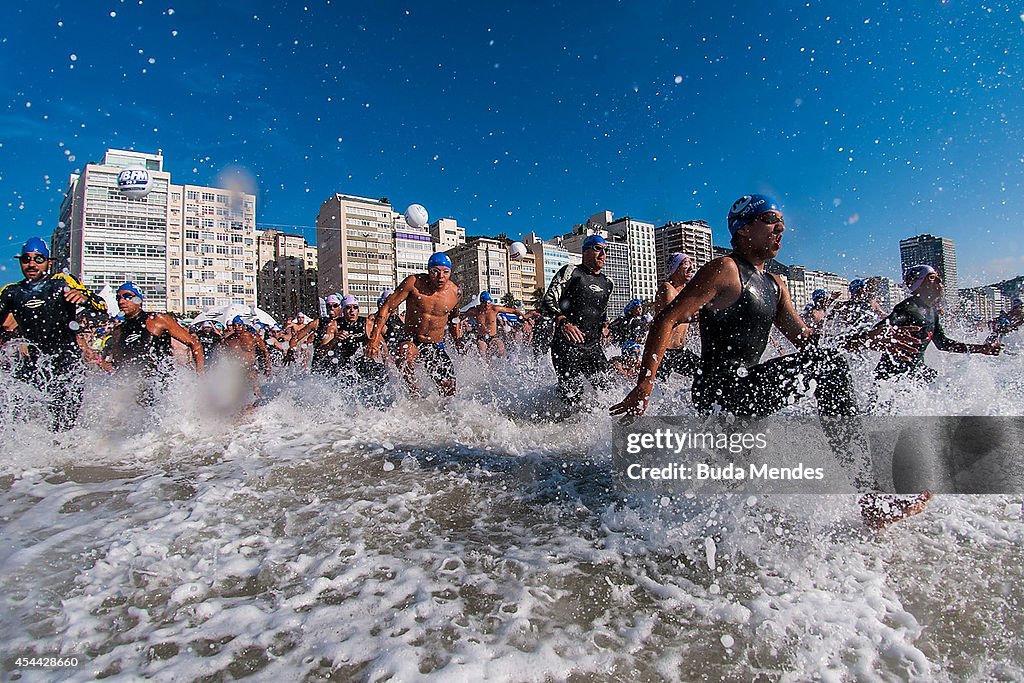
{"x":937,"y":252}
{"x":480,"y":264}
{"x":104,"y":237}
{"x":356,"y":247}
{"x":642,"y":269}
{"x":218,"y":246}
{"x":188,"y":247}
{"x":447,"y":233}
{"x":803,"y":281}
{"x":287,"y":275}
{"x":689,"y":237}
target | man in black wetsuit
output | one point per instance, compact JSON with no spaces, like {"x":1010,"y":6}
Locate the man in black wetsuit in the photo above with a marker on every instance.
{"x":44,"y":308}
{"x":577,"y":299}
{"x":921,"y":310}
{"x":739,"y":301}
{"x":631,"y":326}
{"x":143,"y":341}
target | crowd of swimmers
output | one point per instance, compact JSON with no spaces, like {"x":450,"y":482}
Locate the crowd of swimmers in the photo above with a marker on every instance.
{"x":58,"y":329}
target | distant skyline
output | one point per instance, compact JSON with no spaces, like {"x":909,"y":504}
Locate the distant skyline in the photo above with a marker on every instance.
{"x":869,"y":124}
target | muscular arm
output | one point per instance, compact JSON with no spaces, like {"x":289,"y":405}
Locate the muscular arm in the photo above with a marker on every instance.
{"x":392,"y":303}
{"x":702,"y":290}
{"x":300,"y":335}
{"x":944,"y":343}
{"x":788,"y":320}
{"x":162,"y":322}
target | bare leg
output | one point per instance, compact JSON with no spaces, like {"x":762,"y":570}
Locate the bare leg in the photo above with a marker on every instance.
{"x":879,"y":510}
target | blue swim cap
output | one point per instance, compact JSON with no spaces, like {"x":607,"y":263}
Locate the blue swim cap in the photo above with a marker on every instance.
{"x":130,"y":287}
{"x":594,"y":240}
{"x":485,"y":297}
{"x":857,"y":285}
{"x":237,"y":320}
{"x":916,"y":275}
{"x":383,"y":297}
{"x":631,"y":348}
{"x":35,"y":245}
{"x":632,"y":305}
{"x":819,"y":295}
{"x":748,"y":207}
{"x":439,"y":260}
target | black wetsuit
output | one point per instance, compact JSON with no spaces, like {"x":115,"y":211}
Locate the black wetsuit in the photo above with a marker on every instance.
{"x":342,"y":353}
{"x":394,"y":332}
{"x":582,"y":298}
{"x":732,"y":343}
{"x":914,"y":311}
{"x":629,"y":328}
{"x":47,"y":321}
{"x":542,"y":333}
{"x":131,"y":345}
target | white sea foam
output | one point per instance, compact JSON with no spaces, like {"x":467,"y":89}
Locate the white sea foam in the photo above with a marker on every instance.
{"x":474,"y":538}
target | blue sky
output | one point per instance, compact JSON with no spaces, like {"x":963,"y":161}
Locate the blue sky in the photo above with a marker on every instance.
{"x":870,"y":122}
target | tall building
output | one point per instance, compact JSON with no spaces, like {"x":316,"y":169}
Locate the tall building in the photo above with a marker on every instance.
{"x":480,"y":264}
{"x":188,"y":247}
{"x":104,"y":237}
{"x":287,"y":274}
{"x":218,"y":243}
{"x":413,"y":248}
{"x":888,"y":292}
{"x":642,"y":270}
{"x":690,"y":237}
{"x":937,"y":252}
{"x":447,"y":233}
{"x":356,"y":247}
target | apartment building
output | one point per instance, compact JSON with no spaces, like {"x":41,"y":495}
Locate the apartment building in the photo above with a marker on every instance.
{"x":356,"y":247}
{"x":286,"y":274}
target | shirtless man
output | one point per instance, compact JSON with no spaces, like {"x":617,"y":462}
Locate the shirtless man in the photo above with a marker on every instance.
{"x":678,"y":358}
{"x":488,"y":341}
{"x":431,"y":298}
{"x":248,"y":349}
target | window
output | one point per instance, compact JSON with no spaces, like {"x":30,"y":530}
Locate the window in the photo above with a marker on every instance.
{"x":209,"y":301}
{"x":192,"y":194}
{"x":191,"y":300}
{"x":208,"y":196}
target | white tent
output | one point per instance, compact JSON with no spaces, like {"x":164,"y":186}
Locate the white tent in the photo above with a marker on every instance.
{"x":109,"y":297}
{"x":225,"y":314}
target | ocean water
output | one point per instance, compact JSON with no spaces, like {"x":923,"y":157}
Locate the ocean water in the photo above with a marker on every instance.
{"x":318,"y":537}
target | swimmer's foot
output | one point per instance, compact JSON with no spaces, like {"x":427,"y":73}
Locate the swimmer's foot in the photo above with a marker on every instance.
{"x":879,"y":510}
